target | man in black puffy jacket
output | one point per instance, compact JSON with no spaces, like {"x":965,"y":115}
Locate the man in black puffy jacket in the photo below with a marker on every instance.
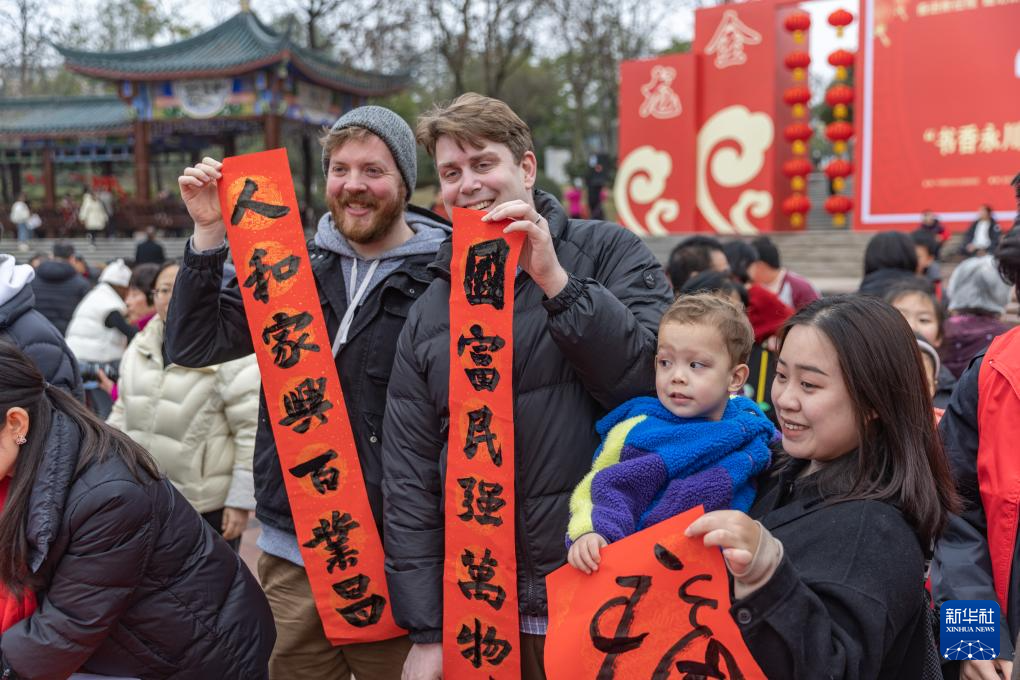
{"x":26,"y":328}
{"x":59,"y":287}
{"x":588,"y":299}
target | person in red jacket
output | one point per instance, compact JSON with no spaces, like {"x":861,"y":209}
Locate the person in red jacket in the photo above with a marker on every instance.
{"x":974,"y":559}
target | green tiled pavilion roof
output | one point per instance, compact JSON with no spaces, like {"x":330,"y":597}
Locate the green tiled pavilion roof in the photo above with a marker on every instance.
{"x":238,"y":45}
{"x":64,"y":116}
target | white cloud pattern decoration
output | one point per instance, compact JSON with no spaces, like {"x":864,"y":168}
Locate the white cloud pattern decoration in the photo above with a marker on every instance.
{"x":732,"y":167}
{"x":641,"y":179}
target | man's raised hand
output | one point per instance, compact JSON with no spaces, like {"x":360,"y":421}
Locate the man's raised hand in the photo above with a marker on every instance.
{"x":201,"y":197}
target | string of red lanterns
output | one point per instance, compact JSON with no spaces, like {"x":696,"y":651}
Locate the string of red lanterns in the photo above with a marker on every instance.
{"x":840,"y":97}
{"x":798,"y":133}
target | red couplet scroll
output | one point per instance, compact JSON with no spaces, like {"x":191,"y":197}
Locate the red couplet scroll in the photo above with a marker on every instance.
{"x":339,"y":542}
{"x":480,"y":620}
{"x":658,"y":607}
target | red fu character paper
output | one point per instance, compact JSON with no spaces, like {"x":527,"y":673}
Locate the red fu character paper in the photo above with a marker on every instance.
{"x":658,"y":607}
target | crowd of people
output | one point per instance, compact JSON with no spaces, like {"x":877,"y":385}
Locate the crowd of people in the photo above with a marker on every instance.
{"x":832,"y":440}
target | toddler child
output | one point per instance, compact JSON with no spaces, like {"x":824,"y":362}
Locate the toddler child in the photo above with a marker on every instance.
{"x":693,"y":445}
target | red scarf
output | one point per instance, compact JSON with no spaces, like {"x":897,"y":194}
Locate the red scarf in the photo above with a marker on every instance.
{"x":12,"y":609}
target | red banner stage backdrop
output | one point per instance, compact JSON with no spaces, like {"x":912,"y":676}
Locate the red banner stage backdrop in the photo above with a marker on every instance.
{"x":698,"y":132}
{"x":705,"y":137}
{"x":940,"y":113}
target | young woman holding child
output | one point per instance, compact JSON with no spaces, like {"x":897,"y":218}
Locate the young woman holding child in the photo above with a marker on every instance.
{"x":105,"y":568}
{"x":829,"y":562}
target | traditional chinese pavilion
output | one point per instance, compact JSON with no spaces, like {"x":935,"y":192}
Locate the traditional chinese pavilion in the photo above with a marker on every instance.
{"x":240,"y":78}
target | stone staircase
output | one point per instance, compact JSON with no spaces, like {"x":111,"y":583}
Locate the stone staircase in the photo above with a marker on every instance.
{"x":104,"y":250}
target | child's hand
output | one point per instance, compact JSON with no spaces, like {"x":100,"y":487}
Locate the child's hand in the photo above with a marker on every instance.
{"x":751,"y":553}
{"x":584,"y":553}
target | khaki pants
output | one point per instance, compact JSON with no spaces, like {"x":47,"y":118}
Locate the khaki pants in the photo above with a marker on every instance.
{"x":302,"y":650}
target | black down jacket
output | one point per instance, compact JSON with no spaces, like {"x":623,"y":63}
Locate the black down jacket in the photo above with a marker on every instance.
{"x":23,"y":326}
{"x":58,"y":289}
{"x":847,"y":600}
{"x":134,"y":582}
{"x":576,"y":356}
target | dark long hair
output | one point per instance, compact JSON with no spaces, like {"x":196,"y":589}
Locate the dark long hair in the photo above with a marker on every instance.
{"x":22,"y":385}
{"x":900,"y":459}
{"x":890,"y":250}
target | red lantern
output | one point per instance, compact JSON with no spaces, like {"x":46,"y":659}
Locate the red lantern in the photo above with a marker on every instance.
{"x":840,"y":19}
{"x":796,"y":206}
{"x":837,"y":170}
{"x":798,"y":62}
{"x":797,"y":134}
{"x":838,"y":206}
{"x":797,"y":23}
{"x":842,"y":60}
{"x":838,"y":97}
{"x":838,"y":132}
{"x":797,"y":97}
{"x":796,"y":169}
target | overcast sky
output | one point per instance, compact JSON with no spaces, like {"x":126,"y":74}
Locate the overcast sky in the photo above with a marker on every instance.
{"x":680,"y":24}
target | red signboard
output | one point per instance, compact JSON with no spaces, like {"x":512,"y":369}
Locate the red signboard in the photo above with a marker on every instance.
{"x":701,"y":134}
{"x":939,"y":116}
{"x":654,"y":193}
{"x":738,"y":132}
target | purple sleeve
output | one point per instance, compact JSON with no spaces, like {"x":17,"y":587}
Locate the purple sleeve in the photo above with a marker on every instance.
{"x":623,"y":491}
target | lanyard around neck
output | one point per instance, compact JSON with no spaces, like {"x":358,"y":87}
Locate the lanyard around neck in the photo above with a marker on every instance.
{"x":353,"y":300}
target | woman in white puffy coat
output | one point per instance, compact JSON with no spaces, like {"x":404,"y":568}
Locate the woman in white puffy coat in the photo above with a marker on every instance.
{"x":198,"y":423}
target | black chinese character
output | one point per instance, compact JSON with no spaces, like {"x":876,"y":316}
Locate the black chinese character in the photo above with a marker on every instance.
{"x":245,"y":203}
{"x":478,"y":432}
{"x":335,"y":534}
{"x":353,"y":588}
{"x":482,"y":647}
{"x":260,"y":272}
{"x":323,"y":478}
{"x":482,"y":347}
{"x":364,"y":613}
{"x":287,"y":352}
{"x":480,"y":574}
{"x":304,"y":403}
{"x":484,"y":273}
{"x":716,"y":653}
{"x":621,"y":641}
{"x":488,"y":501}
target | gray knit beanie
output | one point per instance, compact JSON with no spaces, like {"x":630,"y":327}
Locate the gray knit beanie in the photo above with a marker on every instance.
{"x":976,"y":284}
{"x":390,"y":128}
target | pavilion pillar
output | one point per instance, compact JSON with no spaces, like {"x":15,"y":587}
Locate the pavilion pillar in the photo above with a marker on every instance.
{"x":49,"y":180}
{"x":142,"y":194}
{"x":15,"y":180}
{"x":306,"y":167}
{"x":271,"y":131}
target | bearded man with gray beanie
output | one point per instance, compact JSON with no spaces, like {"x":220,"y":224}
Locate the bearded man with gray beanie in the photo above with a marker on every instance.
{"x":369,"y":258}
